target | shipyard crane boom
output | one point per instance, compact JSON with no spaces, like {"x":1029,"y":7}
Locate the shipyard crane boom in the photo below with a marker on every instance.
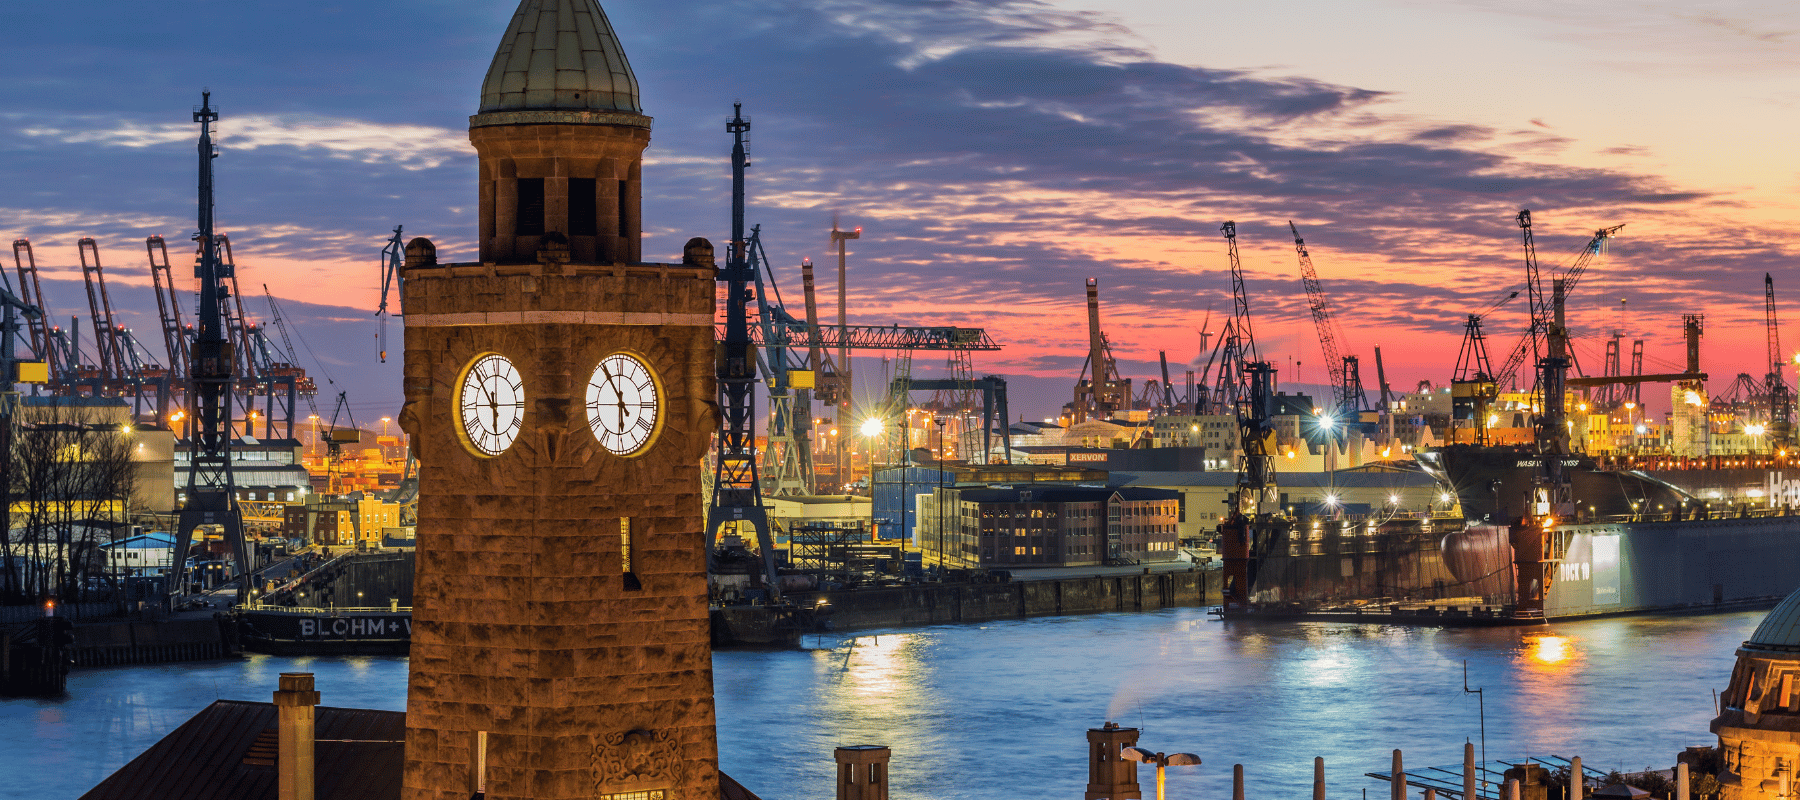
{"x":168,"y":307}
{"x":1344,"y":384}
{"x":787,"y":332}
{"x":1781,"y":396}
{"x":1530,"y":344}
{"x":1776,"y":362}
{"x":287,"y":343}
{"x":1595,"y":246}
{"x":235,"y":320}
{"x":1240,"y":299}
{"x":393,"y":257}
{"x":1168,"y":399}
{"x":32,"y":292}
{"x":106,"y":330}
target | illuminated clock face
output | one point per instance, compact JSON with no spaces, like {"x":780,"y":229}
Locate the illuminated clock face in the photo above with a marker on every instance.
{"x":492,"y":403}
{"x":623,"y":404}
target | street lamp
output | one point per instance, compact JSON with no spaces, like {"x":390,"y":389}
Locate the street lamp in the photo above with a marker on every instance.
{"x":1161,"y":760}
{"x":940,"y":492}
{"x":872,"y":428}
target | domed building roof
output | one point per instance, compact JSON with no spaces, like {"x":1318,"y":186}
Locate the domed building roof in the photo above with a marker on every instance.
{"x":1781,"y":628}
{"x":560,"y":55}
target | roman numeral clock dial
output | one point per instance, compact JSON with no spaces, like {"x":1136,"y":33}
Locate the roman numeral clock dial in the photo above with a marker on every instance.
{"x":490,"y":400}
{"x":624,"y":404}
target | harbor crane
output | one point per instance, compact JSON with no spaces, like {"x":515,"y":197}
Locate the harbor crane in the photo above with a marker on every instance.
{"x":168,"y":307}
{"x":1532,"y":343}
{"x":211,"y":490}
{"x":1100,"y":389}
{"x":793,"y":358}
{"x":737,"y":489}
{"x":1473,"y":385}
{"x":393,"y":257}
{"x":1346,"y":374}
{"x":31,"y":292}
{"x":1247,"y":532}
{"x":1781,"y":396}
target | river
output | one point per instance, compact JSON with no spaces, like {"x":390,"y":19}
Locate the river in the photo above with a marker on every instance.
{"x":999,"y":710}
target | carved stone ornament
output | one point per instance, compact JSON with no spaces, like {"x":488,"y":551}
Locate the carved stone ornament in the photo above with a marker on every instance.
{"x":637,"y":756}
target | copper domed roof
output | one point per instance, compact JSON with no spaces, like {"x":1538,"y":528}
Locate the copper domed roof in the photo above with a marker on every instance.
{"x":560,"y":56}
{"x":1781,"y":628}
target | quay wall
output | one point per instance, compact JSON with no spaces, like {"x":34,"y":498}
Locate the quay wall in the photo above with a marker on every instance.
{"x":937,"y":604}
{"x":119,"y":643}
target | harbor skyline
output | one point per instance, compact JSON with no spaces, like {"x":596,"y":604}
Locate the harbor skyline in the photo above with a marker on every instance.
{"x":987,"y":191}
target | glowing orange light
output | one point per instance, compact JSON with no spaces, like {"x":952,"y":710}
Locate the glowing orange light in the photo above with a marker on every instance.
{"x":1551,"y":649}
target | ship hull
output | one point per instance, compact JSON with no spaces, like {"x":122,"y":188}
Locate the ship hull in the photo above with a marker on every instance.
{"x":1471,"y":576}
{"x":315,"y":632}
{"x":1495,"y":484}
{"x":1687,"y":565}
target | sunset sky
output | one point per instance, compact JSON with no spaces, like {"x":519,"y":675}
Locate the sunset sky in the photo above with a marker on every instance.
{"x":995,"y":154}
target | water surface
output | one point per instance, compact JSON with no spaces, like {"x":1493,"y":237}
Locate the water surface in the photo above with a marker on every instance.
{"x":1000,"y":710}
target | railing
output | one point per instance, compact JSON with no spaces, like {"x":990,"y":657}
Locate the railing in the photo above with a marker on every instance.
{"x":322,"y":612}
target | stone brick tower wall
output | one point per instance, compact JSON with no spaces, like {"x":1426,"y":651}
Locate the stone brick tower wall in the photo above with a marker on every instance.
{"x":525,"y":624}
{"x":584,"y":180}
{"x":584,"y":678}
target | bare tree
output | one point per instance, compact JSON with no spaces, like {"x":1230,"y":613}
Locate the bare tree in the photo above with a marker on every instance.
{"x":72,"y":483}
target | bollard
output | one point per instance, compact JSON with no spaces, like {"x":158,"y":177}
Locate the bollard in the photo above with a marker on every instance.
{"x":1397,"y":786}
{"x":1319,"y":778}
{"x":1681,"y":781}
{"x":1430,"y":794}
{"x":1469,"y":771}
{"x":1237,"y":782}
{"x":1512,"y":790}
{"x":1577,"y":779}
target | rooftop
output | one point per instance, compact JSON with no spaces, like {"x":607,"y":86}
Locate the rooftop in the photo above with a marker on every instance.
{"x":560,"y":55}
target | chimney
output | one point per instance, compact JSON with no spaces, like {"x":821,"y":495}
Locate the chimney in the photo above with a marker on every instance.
{"x":862,"y":772}
{"x":294,"y":760}
{"x":1110,"y":775}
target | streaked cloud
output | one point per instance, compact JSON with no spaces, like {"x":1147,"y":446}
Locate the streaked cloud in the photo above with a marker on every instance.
{"x":412,"y":147}
{"x":997,"y":153}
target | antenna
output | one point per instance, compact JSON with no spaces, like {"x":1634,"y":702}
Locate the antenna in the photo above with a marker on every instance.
{"x":1481,"y":703}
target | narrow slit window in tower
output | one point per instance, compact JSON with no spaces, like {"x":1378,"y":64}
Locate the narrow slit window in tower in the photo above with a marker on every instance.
{"x":531,"y":207}
{"x":631,"y":579}
{"x":583,"y":210}
{"x":624,"y":202}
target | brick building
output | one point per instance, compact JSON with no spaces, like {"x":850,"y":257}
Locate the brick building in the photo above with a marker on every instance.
{"x":1047,"y":526}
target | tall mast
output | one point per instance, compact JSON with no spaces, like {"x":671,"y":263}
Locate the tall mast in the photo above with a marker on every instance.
{"x":737,"y":489}
{"x":211,"y":499}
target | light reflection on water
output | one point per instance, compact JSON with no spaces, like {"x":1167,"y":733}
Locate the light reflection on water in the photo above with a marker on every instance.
{"x":999,"y":710}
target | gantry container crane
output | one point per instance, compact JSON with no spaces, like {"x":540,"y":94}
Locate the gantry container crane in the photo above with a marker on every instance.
{"x":168,"y":307}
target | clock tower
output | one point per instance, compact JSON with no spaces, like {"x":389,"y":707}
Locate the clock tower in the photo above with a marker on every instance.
{"x":560,"y":398}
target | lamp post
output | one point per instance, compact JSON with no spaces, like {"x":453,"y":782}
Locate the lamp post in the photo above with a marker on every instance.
{"x":845,"y":382}
{"x":939,"y":497}
{"x":1161,"y":760}
{"x":872,"y":428}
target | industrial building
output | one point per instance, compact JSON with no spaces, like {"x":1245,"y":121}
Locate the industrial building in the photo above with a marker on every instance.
{"x":1048,"y":526}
